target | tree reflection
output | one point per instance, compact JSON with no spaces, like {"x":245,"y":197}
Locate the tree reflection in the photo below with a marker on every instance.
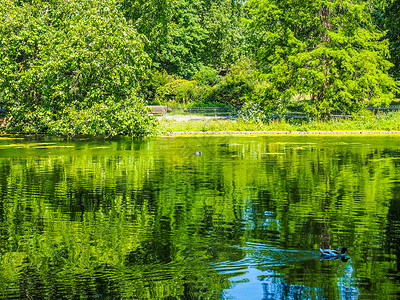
{"x":151,"y":220}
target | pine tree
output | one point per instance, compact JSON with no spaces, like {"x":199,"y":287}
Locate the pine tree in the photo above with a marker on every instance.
{"x":327,"y":51}
{"x":392,"y":18}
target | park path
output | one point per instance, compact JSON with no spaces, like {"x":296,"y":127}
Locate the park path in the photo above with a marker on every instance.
{"x":183,"y":118}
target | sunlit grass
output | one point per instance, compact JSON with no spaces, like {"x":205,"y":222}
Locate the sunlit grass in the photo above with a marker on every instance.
{"x":382,"y":122}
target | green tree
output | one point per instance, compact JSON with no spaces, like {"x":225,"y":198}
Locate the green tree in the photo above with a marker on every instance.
{"x":181,"y":52}
{"x":225,"y":33}
{"x":386,"y":14}
{"x":182,"y":36}
{"x":71,"y":57}
{"x":174,"y":35}
{"x":328,"y":51}
{"x":392,"y":21}
{"x":151,"y":19}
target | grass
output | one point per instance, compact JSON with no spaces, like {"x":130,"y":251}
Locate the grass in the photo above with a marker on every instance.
{"x":381,"y":122}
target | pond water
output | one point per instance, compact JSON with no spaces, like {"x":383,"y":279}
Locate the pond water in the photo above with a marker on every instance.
{"x":239,"y":217}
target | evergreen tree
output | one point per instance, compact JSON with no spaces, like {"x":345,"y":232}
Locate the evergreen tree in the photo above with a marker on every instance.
{"x":329,"y":51}
{"x":392,"y":21}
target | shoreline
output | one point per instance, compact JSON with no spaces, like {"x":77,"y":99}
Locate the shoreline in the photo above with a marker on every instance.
{"x":316,"y":132}
{"x":8,"y":136}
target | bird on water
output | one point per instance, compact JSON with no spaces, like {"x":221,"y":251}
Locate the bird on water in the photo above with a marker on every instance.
{"x":330,"y":252}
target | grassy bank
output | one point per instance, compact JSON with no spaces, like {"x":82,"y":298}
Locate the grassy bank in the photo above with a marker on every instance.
{"x":381,"y":122}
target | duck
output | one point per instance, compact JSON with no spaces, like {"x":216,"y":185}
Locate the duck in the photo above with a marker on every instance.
{"x":342,"y":258}
{"x":334,"y":253}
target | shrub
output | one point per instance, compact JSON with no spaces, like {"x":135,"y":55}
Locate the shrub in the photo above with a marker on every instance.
{"x":107,"y":118}
{"x":207,"y":76}
{"x":181,"y":91}
{"x":155,"y":81}
{"x":251,"y":112}
{"x":70,"y":59}
{"x":238,"y":83}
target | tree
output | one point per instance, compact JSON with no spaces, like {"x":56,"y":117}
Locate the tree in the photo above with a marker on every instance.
{"x":151,"y":19}
{"x":386,"y":14}
{"x":181,"y":52}
{"x":392,"y":21}
{"x":63,"y":58}
{"x":225,"y":34}
{"x":326,"y":50}
{"x":174,"y":35}
{"x":182,"y":36}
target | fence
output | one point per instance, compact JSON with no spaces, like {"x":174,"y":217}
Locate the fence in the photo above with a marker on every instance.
{"x":385,"y":108}
{"x":291,"y":113}
{"x":208,"y":111}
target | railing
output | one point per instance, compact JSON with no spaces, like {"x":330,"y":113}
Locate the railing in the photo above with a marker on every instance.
{"x":213,"y":111}
{"x":294,"y":112}
{"x":300,"y":113}
{"x":385,"y":108}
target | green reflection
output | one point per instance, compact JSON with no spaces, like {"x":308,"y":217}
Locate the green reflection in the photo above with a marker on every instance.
{"x":151,"y":220}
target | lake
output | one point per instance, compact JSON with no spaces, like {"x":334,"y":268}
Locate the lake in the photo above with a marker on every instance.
{"x":220,"y":217}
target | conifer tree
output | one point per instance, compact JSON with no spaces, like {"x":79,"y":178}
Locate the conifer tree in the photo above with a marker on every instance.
{"x":392,"y":20}
{"x":329,"y":51}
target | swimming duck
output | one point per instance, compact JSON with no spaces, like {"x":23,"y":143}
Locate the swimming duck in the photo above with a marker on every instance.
{"x":342,"y":258}
{"x":329,"y":252}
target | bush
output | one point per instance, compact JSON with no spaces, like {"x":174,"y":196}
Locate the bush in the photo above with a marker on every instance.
{"x":181,"y":91}
{"x":71,"y":59}
{"x":155,"y":81}
{"x":107,"y":118}
{"x":207,"y":76}
{"x":251,"y":112}
{"x":238,"y":83}
{"x":262,"y":95}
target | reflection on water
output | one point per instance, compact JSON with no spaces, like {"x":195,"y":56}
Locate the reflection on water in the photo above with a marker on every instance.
{"x":204,"y":217}
{"x":256,"y":276}
{"x":259,"y":275}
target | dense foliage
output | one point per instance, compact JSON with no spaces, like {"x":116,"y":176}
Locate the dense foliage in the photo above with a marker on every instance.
{"x":64,"y":58}
{"x":184,"y":35}
{"x":392,"y":23}
{"x":87,"y":60}
{"x":386,"y":16}
{"x":327,"y":50}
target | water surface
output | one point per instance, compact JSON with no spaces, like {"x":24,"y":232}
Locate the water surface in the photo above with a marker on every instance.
{"x":200,"y":218}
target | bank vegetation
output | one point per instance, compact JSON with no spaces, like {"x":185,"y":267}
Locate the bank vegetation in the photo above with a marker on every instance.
{"x":91,"y":66}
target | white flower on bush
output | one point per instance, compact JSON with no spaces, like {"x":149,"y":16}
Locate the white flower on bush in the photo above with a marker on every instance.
{"x":251,"y":112}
